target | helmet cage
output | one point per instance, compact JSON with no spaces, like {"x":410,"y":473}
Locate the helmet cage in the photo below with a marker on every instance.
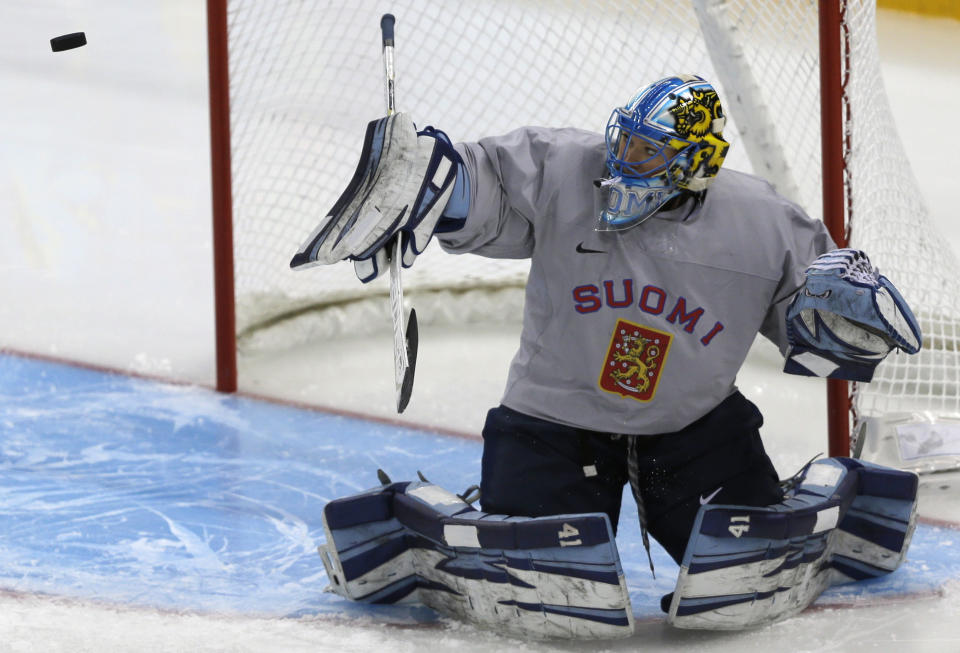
{"x":625,"y":138}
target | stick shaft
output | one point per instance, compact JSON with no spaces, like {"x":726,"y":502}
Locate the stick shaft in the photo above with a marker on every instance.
{"x":389,"y":73}
{"x":401,"y":361}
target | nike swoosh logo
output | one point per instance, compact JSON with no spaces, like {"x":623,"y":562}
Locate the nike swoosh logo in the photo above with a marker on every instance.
{"x":704,"y":502}
{"x":582,"y":250}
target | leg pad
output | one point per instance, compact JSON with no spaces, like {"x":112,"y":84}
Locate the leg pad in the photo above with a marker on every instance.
{"x":847,"y":520}
{"x":545,"y":577}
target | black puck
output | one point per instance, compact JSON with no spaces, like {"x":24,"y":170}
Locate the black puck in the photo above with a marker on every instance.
{"x":68,"y":41}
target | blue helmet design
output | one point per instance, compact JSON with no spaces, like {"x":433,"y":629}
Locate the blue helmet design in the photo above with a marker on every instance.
{"x":667,"y":139}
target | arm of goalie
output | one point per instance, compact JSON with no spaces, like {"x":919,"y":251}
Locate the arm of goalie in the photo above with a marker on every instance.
{"x":405,"y":183}
{"x":846,"y":319}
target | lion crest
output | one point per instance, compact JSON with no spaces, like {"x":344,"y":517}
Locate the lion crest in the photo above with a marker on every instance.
{"x":693,"y":119}
{"x":634,"y":360}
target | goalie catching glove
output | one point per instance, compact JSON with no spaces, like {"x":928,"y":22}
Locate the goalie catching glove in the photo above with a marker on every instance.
{"x":846,"y":318}
{"x":400,"y":188}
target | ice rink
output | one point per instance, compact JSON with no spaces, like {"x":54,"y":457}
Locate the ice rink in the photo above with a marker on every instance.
{"x":145,"y":516}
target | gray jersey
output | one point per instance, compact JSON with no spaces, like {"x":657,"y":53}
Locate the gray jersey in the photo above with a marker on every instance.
{"x":639,"y":331}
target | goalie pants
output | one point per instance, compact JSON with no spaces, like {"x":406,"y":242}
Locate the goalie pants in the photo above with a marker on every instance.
{"x":533,"y":467}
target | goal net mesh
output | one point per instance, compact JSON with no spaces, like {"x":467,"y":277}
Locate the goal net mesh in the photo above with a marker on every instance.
{"x":889,"y":221}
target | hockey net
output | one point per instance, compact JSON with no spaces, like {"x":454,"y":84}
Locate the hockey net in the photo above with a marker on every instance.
{"x":305,"y":78}
{"x":911,"y":408}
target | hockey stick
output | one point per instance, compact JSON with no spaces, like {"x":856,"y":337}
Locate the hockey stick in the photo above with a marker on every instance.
{"x":404,"y":340}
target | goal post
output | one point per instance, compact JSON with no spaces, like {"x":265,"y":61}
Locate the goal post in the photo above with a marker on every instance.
{"x":832,"y":66}
{"x":293,"y":85}
{"x":225,"y":324}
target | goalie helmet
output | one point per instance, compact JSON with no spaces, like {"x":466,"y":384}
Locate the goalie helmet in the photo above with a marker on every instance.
{"x":666,"y":140}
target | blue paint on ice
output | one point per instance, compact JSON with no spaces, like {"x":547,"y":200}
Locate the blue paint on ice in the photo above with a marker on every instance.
{"x":132,"y":491}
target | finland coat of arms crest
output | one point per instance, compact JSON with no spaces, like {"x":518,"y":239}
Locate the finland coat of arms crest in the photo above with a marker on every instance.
{"x":634,"y":360}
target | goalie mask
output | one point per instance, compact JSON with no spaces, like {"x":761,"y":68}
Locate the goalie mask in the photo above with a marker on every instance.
{"x":666,"y":140}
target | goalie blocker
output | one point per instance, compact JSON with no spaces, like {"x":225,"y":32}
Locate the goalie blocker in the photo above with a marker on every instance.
{"x":842,"y":521}
{"x":407,"y":183}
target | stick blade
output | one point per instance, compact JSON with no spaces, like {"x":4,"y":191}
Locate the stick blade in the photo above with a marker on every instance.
{"x":412,"y":341}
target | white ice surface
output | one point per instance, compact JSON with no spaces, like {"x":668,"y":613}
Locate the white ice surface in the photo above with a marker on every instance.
{"x":926,"y":625}
{"x":105,"y":257}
